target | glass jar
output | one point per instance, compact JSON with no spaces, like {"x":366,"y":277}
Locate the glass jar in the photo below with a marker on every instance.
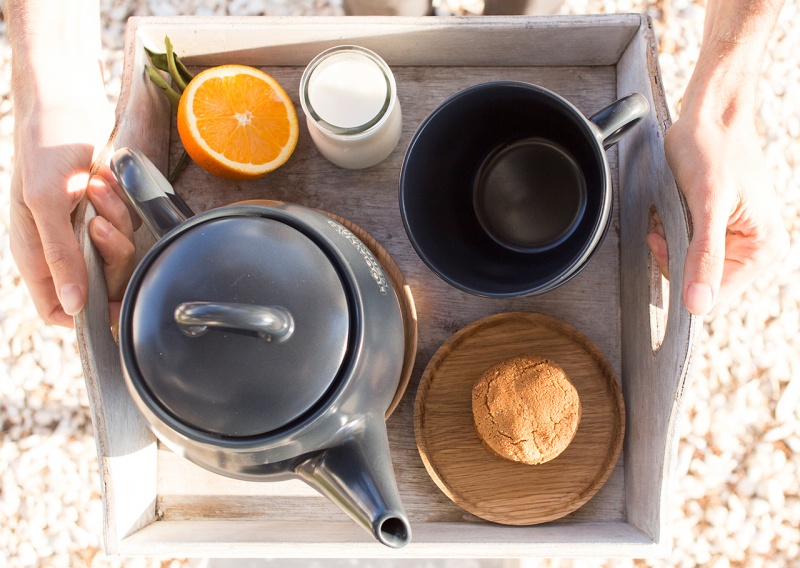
{"x":349,"y":97}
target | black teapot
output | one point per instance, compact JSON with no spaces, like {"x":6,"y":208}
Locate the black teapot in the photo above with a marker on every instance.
{"x":263,"y":341}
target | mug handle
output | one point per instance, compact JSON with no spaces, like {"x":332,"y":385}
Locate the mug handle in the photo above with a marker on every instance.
{"x":618,"y":118}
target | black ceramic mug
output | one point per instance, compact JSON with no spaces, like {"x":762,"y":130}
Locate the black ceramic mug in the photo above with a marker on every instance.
{"x":505,"y":189}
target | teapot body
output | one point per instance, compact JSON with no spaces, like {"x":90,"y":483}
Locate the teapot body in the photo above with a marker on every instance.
{"x":365,"y":388}
{"x":184,"y":360}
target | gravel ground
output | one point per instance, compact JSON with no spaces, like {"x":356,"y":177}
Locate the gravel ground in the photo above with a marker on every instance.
{"x":736,"y":494}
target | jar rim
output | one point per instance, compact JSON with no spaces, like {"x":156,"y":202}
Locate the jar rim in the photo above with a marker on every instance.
{"x":308,"y":108}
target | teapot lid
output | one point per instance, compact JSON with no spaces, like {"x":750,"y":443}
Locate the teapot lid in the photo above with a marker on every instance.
{"x":240,"y":324}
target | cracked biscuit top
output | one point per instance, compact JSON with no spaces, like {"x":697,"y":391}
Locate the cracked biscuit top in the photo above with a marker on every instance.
{"x":526,"y":409}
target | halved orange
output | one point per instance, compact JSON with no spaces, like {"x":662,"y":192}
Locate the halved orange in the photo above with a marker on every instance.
{"x":237,"y":122}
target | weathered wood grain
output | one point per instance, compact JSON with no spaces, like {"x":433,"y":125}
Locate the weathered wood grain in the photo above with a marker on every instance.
{"x":655,"y":380}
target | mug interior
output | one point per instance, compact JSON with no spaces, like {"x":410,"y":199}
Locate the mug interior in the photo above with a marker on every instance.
{"x":439,"y":175}
{"x":530,"y":195}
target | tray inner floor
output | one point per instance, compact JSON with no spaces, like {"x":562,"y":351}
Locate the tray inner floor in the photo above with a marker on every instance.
{"x":590,"y":302}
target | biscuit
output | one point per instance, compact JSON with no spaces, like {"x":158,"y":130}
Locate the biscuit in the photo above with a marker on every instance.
{"x":526,"y":409}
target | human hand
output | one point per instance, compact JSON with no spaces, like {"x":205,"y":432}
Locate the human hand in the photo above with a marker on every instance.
{"x":53,"y":154}
{"x":112,"y":234}
{"x":737,"y":230}
{"x":54,"y":144}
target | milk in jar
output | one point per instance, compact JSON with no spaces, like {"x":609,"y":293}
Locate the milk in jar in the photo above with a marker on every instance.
{"x":349,"y":96}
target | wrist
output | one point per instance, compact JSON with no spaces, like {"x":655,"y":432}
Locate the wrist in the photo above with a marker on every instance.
{"x":55,"y":48}
{"x":724,"y":84}
{"x":58,"y":84}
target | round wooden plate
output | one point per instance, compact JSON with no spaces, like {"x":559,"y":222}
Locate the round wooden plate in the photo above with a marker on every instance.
{"x":490,"y":487}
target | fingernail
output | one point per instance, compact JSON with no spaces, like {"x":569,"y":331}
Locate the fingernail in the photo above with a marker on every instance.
{"x":102,"y":227}
{"x":99,"y":187}
{"x":699,"y":298}
{"x":71,"y":299}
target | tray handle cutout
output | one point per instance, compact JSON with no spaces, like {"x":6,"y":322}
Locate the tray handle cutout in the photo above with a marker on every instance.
{"x":658,"y":283}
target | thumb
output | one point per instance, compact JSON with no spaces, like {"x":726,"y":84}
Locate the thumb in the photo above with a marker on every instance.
{"x":64,"y":258}
{"x":705,"y":261}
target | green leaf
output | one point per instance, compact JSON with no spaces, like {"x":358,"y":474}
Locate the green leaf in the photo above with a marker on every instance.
{"x":159,"y":61}
{"x":173,"y":69}
{"x":172,"y":95}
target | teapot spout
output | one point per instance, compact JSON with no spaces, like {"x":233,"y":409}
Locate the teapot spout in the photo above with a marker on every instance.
{"x":358,"y":476}
{"x":150,"y":193}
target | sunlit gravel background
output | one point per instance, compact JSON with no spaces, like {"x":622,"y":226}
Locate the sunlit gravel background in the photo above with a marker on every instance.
{"x":736,"y":500}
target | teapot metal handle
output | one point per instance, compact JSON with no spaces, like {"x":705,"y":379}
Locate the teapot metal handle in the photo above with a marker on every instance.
{"x":151,"y":195}
{"x":271,"y":323}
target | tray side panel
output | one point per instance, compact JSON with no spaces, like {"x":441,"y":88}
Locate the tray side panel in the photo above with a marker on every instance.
{"x":345,"y":540}
{"x":126,"y":448}
{"x":470,"y":41}
{"x":654,"y":379}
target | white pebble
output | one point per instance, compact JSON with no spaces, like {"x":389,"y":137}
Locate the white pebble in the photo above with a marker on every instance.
{"x":759,"y":507}
{"x":762,"y":542}
{"x":775,"y":494}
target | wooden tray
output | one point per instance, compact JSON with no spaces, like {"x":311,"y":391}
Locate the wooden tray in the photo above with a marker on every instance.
{"x":157,"y":503}
{"x":486,"y":485}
